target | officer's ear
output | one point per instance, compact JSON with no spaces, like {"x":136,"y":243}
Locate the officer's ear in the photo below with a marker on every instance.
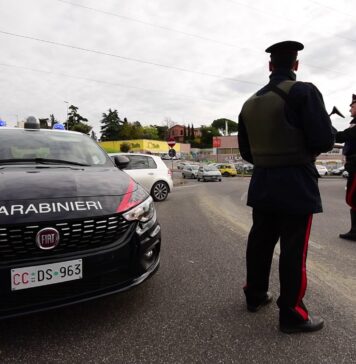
{"x":295,"y":65}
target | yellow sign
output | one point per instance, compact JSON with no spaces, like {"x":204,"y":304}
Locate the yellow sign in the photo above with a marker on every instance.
{"x":139,"y":146}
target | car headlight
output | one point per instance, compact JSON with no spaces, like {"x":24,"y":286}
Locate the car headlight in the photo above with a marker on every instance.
{"x":143,"y":212}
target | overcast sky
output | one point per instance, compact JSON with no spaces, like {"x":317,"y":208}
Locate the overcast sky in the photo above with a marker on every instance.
{"x":190,"y":61}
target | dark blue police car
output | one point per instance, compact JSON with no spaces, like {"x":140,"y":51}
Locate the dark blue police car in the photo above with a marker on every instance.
{"x":73,"y":226}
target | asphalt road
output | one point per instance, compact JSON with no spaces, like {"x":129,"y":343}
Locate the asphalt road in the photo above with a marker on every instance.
{"x":193,"y":309}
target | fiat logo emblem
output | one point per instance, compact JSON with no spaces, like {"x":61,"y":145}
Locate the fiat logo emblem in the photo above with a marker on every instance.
{"x":47,"y":238}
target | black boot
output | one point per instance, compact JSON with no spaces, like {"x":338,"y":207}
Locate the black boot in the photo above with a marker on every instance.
{"x":313,"y":323}
{"x":351,"y":235}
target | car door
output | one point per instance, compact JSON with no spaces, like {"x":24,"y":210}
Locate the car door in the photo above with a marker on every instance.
{"x":141,"y":170}
{"x":200,"y":172}
{"x":189,"y":171}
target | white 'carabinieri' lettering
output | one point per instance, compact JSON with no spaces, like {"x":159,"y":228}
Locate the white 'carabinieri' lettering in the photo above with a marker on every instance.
{"x":80,"y":205}
{"x":18,"y":208}
{"x":3,"y":210}
{"x":46,"y":208}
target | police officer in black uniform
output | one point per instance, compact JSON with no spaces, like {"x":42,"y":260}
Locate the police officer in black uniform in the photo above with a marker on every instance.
{"x":282,"y":128}
{"x":348,"y":136}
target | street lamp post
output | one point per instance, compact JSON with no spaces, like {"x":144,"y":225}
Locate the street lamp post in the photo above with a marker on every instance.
{"x":66,"y":102}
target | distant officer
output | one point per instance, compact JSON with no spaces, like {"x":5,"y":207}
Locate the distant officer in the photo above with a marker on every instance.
{"x":282,"y":128}
{"x":348,"y":136}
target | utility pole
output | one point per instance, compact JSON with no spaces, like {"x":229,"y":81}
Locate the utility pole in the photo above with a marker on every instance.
{"x":66,"y":102}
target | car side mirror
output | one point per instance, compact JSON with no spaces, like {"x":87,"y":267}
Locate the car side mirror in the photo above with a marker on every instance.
{"x":121,"y":161}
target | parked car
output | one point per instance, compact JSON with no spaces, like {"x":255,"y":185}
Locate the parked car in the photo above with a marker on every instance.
{"x":338,"y":171}
{"x":190,"y":171}
{"x":226,"y":169}
{"x":345,"y":174}
{"x":181,"y":165}
{"x":243,"y":168}
{"x":73,"y":225}
{"x":150,"y":172}
{"x":208,"y":173}
{"x":322,"y":170}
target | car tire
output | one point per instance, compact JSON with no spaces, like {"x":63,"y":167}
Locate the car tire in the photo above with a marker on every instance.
{"x":219,"y":179}
{"x":183,"y":175}
{"x":160,"y":191}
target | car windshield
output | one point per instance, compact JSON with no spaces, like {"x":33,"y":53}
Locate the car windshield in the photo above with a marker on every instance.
{"x":210,"y":168}
{"x":49,"y":147}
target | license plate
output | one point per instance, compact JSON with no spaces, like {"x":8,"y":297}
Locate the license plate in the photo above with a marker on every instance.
{"x":42,"y":275}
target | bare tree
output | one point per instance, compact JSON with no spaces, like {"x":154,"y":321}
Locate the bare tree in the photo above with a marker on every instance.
{"x":169,"y":122}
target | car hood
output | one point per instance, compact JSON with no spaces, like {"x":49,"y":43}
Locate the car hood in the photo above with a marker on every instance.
{"x":37,"y":194}
{"x":25,"y":183}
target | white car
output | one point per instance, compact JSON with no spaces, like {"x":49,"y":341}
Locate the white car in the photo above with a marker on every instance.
{"x":338,"y":171}
{"x":208,"y":173}
{"x":322,"y":170}
{"x":150,"y":172}
{"x":190,"y":171}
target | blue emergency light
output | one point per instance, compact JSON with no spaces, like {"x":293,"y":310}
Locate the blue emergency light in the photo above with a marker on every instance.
{"x":58,"y":126}
{"x":2,"y":123}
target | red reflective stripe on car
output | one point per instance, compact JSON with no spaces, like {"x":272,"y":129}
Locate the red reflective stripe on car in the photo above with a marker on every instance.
{"x":303,"y":284}
{"x":125,"y":203}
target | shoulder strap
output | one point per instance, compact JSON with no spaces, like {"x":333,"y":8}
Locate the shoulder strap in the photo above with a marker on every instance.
{"x":283,"y":91}
{"x":279,"y":92}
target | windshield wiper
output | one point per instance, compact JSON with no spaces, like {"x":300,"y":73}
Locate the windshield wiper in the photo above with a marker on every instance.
{"x":42,"y":161}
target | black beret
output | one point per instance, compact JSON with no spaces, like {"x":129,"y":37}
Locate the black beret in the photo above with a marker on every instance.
{"x":353,"y":99}
{"x":286,"y":46}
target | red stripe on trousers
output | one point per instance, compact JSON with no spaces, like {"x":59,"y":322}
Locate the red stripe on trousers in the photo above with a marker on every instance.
{"x":303,"y":285}
{"x":350,"y":192}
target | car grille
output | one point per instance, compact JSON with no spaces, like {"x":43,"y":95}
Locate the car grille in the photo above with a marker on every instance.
{"x":18,"y":242}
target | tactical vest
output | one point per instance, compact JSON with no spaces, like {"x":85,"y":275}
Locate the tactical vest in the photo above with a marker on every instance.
{"x":273,"y":141}
{"x":350,"y":145}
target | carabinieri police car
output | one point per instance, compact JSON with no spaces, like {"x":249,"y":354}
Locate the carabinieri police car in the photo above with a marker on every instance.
{"x":73,"y":226}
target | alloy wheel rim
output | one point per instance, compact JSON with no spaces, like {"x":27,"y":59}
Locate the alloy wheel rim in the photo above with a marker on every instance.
{"x":160,"y":191}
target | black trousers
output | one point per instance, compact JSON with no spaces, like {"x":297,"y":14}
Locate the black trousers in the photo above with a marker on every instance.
{"x":293,"y":232}
{"x":351,"y":190}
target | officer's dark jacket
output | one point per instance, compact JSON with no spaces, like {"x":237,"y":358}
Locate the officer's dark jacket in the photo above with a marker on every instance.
{"x":348,"y":136}
{"x":291,"y":188}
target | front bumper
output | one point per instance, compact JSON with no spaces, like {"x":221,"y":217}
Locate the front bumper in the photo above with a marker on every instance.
{"x":212,"y":178}
{"x":108,"y":270}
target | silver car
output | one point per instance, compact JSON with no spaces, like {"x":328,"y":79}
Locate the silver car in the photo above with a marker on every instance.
{"x":208,"y":173}
{"x":190,"y":171}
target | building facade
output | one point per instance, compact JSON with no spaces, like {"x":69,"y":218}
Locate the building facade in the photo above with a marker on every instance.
{"x":157,"y":147}
{"x":177,"y":132}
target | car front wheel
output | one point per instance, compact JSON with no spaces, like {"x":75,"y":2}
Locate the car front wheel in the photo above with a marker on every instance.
{"x":160,"y":191}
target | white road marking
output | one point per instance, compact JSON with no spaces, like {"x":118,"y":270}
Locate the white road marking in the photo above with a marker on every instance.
{"x":315,"y":245}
